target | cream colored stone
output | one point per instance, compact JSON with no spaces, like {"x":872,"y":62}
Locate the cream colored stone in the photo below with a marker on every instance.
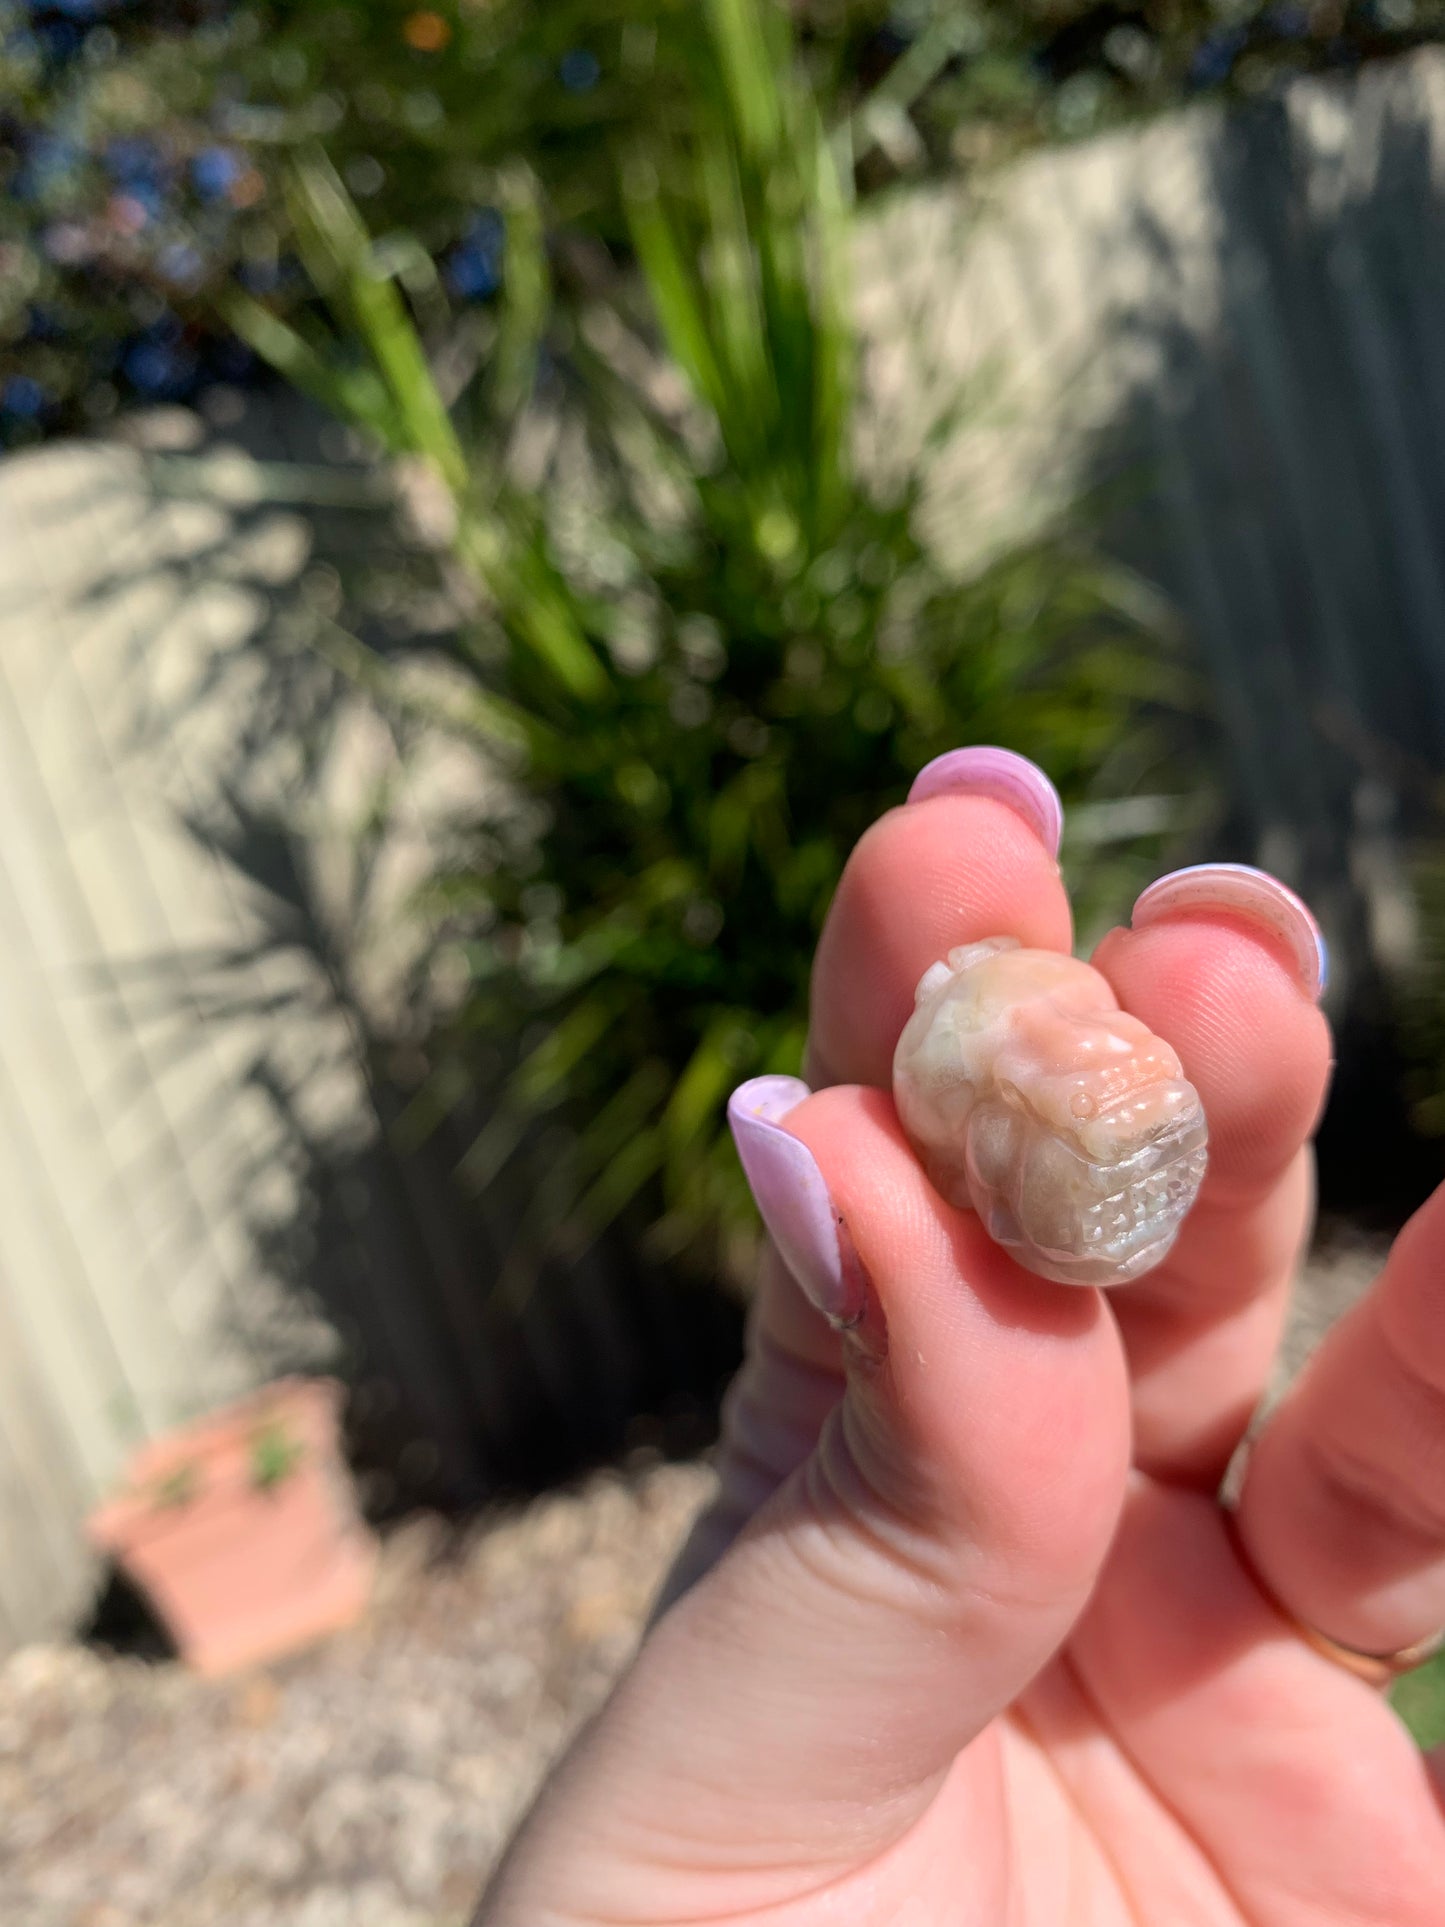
{"x":1063,"y":1121}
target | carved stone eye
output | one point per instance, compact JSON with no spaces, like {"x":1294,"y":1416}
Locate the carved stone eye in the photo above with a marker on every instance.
{"x":1063,"y":1121}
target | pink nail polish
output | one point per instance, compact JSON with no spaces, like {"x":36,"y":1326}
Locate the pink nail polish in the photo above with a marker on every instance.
{"x":792,"y":1196}
{"x":1003,"y":775}
{"x":1242,"y":891}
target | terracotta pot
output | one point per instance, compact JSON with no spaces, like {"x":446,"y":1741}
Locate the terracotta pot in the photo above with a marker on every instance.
{"x":243,"y":1529}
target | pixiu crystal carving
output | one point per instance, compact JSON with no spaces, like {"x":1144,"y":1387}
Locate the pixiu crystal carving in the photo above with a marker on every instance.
{"x":1064,"y":1122}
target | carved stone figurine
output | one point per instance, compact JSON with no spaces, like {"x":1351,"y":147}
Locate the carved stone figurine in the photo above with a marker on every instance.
{"x":1066,"y":1124}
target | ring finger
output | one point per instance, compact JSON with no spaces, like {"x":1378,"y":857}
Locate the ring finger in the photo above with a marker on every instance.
{"x":1342,"y":1512}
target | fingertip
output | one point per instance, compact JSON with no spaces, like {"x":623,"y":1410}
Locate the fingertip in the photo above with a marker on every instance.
{"x":983,"y":769}
{"x":922,"y":880}
{"x":769,"y":1098}
{"x":1238,"y":891}
{"x":1229,"y":1002}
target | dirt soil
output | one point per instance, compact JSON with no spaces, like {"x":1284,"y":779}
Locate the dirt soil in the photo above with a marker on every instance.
{"x":374,"y":1781}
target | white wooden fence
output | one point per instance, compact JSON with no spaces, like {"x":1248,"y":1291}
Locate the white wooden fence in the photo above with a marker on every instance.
{"x":130,"y":1295}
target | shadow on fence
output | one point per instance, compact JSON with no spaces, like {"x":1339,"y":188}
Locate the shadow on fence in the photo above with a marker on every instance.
{"x":1282,"y":456}
{"x":364,"y":1253}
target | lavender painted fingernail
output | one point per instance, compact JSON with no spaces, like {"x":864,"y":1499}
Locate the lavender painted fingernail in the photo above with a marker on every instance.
{"x":792,"y":1195}
{"x":1240,"y":890}
{"x":1003,"y":775}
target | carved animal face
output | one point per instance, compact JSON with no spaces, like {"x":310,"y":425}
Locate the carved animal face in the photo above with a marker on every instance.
{"x":1063,"y":1121}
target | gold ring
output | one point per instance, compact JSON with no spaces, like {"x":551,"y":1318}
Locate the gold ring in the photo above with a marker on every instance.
{"x":1376,"y":1669}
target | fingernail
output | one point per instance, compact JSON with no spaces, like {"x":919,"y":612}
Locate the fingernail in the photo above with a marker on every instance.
{"x":1242,"y":891}
{"x":792,"y":1196}
{"x":1003,"y":775}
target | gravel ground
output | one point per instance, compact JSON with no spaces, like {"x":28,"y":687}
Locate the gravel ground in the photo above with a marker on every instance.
{"x":370,"y":1783}
{"x":374,"y":1781}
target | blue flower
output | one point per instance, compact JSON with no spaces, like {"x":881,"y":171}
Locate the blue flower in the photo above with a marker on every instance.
{"x":60,"y":39}
{"x":147,"y":195}
{"x":215,"y":171}
{"x":158,"y":362}
{"x":49,"y":159}
{"x":150,"y":365}
{"x":181,"y":264}
{"x":473,"y":275}
{"x":579,"y":70}
{"x":1214,"y":57}
{"x":133,"y":160}
{"x":22,"y":396}
{"x":474,"y":268}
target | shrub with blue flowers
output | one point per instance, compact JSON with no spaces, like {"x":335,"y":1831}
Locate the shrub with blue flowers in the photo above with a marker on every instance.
{"x":141,"y":140}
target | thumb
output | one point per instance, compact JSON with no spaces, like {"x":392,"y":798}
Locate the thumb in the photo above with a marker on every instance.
{"x":792,"y":1715}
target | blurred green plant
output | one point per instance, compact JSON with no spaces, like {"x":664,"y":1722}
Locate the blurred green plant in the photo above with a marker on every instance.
{"x":142,"y":144}
{"x":705,"y":659}
{"x":272,"y":1455}
{"x":1419,"y":1699}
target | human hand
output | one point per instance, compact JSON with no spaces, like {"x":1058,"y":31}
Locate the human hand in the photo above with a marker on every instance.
{"x":967,"y":1637}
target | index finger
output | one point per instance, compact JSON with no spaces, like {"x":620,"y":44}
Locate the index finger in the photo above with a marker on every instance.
{"x":973,"y":853}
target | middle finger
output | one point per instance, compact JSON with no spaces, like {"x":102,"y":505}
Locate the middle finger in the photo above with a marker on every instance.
{"x":1222,"y":963}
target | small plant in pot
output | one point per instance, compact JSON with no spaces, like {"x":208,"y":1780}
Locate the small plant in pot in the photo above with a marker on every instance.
{"x":243,"y":1529}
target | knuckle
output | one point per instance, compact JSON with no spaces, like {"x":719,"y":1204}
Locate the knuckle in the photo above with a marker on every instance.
{"x":1371,"y":1501}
